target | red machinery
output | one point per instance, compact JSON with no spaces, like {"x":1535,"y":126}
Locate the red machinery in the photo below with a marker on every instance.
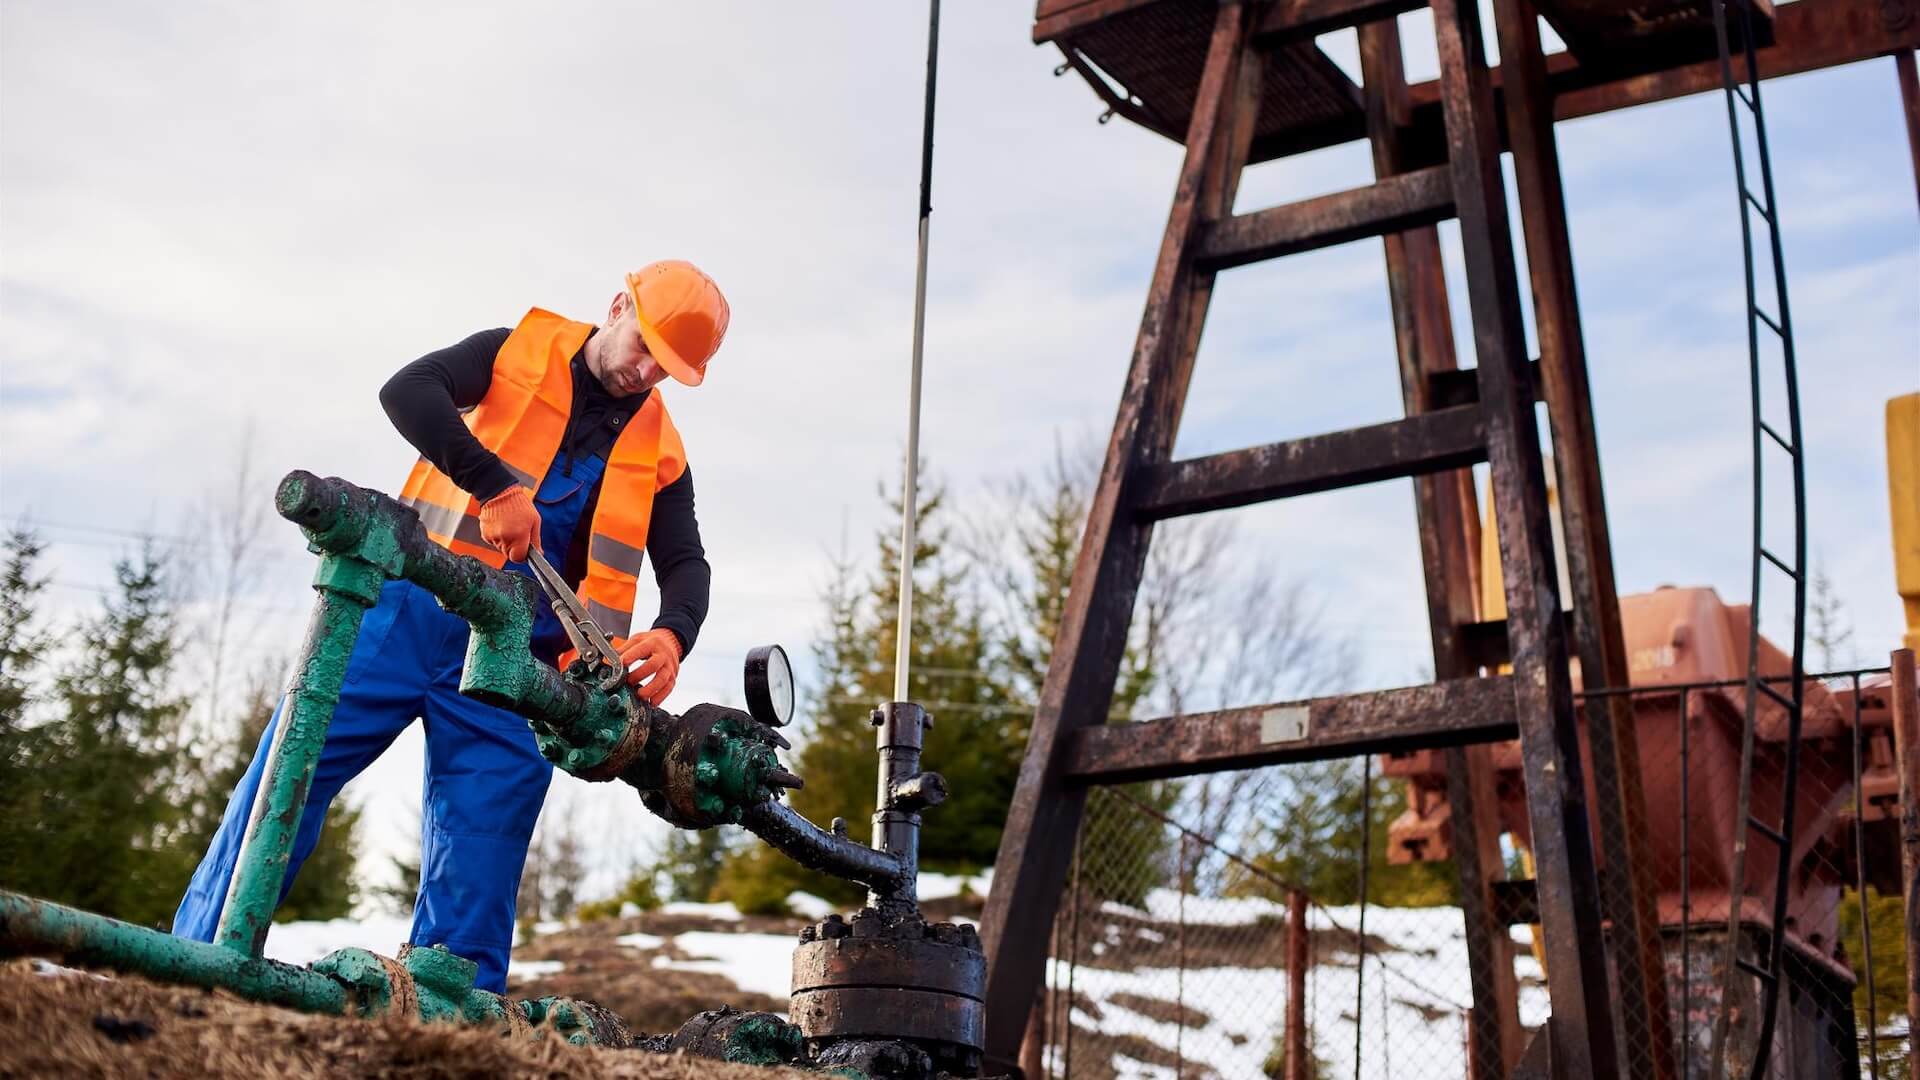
{"x":1678,"y":638}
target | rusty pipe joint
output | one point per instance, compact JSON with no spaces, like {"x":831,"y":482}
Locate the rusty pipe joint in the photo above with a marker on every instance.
{"x":918,"y":792}
{"x":900,"y":729}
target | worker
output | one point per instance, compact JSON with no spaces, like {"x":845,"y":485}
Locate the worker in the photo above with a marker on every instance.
{"x":565,"y":446}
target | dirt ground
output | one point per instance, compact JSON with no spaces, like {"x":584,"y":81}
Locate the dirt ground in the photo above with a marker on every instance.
{"x":75,"y":1025}
{"x":652,"y":1000}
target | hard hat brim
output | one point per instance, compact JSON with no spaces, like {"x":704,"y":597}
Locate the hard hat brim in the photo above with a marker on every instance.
{"x":663,"y":354}
{"x":669,"y":360}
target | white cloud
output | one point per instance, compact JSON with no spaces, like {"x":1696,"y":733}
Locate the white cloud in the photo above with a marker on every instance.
{"x":224,"y":214}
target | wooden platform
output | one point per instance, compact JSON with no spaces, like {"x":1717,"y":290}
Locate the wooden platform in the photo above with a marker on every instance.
{"x":1144,"y":57}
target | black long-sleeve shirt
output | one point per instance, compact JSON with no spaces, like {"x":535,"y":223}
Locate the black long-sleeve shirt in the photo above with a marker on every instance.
{"x":424,"y":401}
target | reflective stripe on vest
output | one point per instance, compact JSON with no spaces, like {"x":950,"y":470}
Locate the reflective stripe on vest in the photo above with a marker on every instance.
{"x":522,"y":419}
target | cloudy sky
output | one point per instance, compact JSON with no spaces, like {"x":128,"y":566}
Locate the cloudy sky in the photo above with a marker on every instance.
{"x":218,"y":219}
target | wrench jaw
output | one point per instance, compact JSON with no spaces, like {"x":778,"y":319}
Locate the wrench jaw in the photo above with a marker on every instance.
{"x":590,"y":643}
{"x":607,"y":677}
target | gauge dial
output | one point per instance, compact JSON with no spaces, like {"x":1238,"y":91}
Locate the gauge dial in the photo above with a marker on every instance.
{"x":770,"y":685}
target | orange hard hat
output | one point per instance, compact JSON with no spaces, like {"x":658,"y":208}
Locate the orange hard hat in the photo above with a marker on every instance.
{"x":682,"y":316}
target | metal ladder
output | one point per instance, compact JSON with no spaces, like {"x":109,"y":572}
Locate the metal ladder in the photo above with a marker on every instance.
{"x":1767,"y":441}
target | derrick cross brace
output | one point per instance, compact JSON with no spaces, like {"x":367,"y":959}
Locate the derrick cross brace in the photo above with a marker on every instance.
{"x":1139,"y":484}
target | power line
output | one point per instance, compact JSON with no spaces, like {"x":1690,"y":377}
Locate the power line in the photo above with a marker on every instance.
{"x":81,"y":586}
{"x":170,"y":540}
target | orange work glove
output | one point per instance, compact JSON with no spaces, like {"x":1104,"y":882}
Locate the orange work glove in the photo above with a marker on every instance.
{"x":658,"y":655}
{"x":510,"y":523}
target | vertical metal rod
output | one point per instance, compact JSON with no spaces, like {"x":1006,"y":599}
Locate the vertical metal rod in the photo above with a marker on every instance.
{"x":1910,"y":100}
{"x":1360,"y":949}
{"x":1386,"y":1029}
{"x":1054,"y":1001}
{"x":1033,"y":1047}
{"x":298,"y":735}
{"x":1686,"y":896}
{"x":1073,"y":962}
{"x":1906,"y":742}
{"x":1180,"y":972}
{"x":903,"y":633}
{"x":1296,"y":985}
{"x":1860,"y":884}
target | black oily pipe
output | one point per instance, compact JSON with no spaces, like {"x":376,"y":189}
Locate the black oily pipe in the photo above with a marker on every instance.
{"x":816,"y":849}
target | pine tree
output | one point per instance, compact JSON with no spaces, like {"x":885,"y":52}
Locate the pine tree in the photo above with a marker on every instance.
{"x":1123,"y":852}
{"x":1045,"y":521}
{"x":1827,"y":626}
{"x":1313,"y":840}
{"x":1885,"y":921}
{"x":103,"y":817}
{"x":403,"y":890}
{"x":22,"y":647}
{"x":692,"y":863}
{"x":978,"y":733}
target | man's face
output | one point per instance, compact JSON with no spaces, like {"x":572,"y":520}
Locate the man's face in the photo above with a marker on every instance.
{"x":622,"y":364}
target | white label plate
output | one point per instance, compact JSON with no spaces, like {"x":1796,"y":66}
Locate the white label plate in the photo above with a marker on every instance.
{"x":1288,"y":723}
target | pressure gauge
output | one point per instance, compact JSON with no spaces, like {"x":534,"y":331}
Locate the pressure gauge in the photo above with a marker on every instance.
{"x":770,"y":685}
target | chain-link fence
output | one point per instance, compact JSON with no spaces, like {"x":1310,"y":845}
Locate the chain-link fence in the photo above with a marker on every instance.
{"x":1219,"y":926}
{"x":1212,"y":927}
{"x":1842,"y":1001}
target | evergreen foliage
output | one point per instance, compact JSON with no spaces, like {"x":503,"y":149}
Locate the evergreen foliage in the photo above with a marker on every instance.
{"x":555,"y":871}
{"x":1886,"y":921}
{"x":640,"y":891}
{"x":400,"y":894}
{"x":101,"y":806}
{"x":1313,"y":840}
{"x":978,"y":734}
{"x":23,"y":645}
{"x":108,"y":799}
{"x":985,"y":618}
{"x":757,"y":880}
{"x":1122,"y":852}
{"x":692,"y":862}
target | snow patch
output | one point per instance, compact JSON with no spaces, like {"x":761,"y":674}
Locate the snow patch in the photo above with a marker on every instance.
{"x":642,"y":942}
{"x":49,"y":969}
{"x":1416,"y":989}
{"x":711,"y":911}
{"x":304,"y":942}
{"x":534,"y":969}
{"x":759,"y":963}
{"x":808,"y":906}
{"x":940,"y":886}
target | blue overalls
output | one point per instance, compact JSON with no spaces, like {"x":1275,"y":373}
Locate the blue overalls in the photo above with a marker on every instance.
{"x":485,"y":779}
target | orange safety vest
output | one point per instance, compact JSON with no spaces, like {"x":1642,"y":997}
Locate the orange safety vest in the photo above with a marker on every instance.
{"x":522,"y":419}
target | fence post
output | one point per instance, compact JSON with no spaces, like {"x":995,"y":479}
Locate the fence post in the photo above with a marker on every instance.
{"x":1906,"y":736}
{"x":1033,"y":1048}
{"x":1297,"y":986}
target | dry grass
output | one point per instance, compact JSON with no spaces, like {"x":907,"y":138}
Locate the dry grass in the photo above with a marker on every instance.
{"x":73,"y":1025}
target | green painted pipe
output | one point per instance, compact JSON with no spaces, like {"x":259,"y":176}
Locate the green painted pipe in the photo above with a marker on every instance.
{"x":33,"y":926}
{"x":347,"y":588}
